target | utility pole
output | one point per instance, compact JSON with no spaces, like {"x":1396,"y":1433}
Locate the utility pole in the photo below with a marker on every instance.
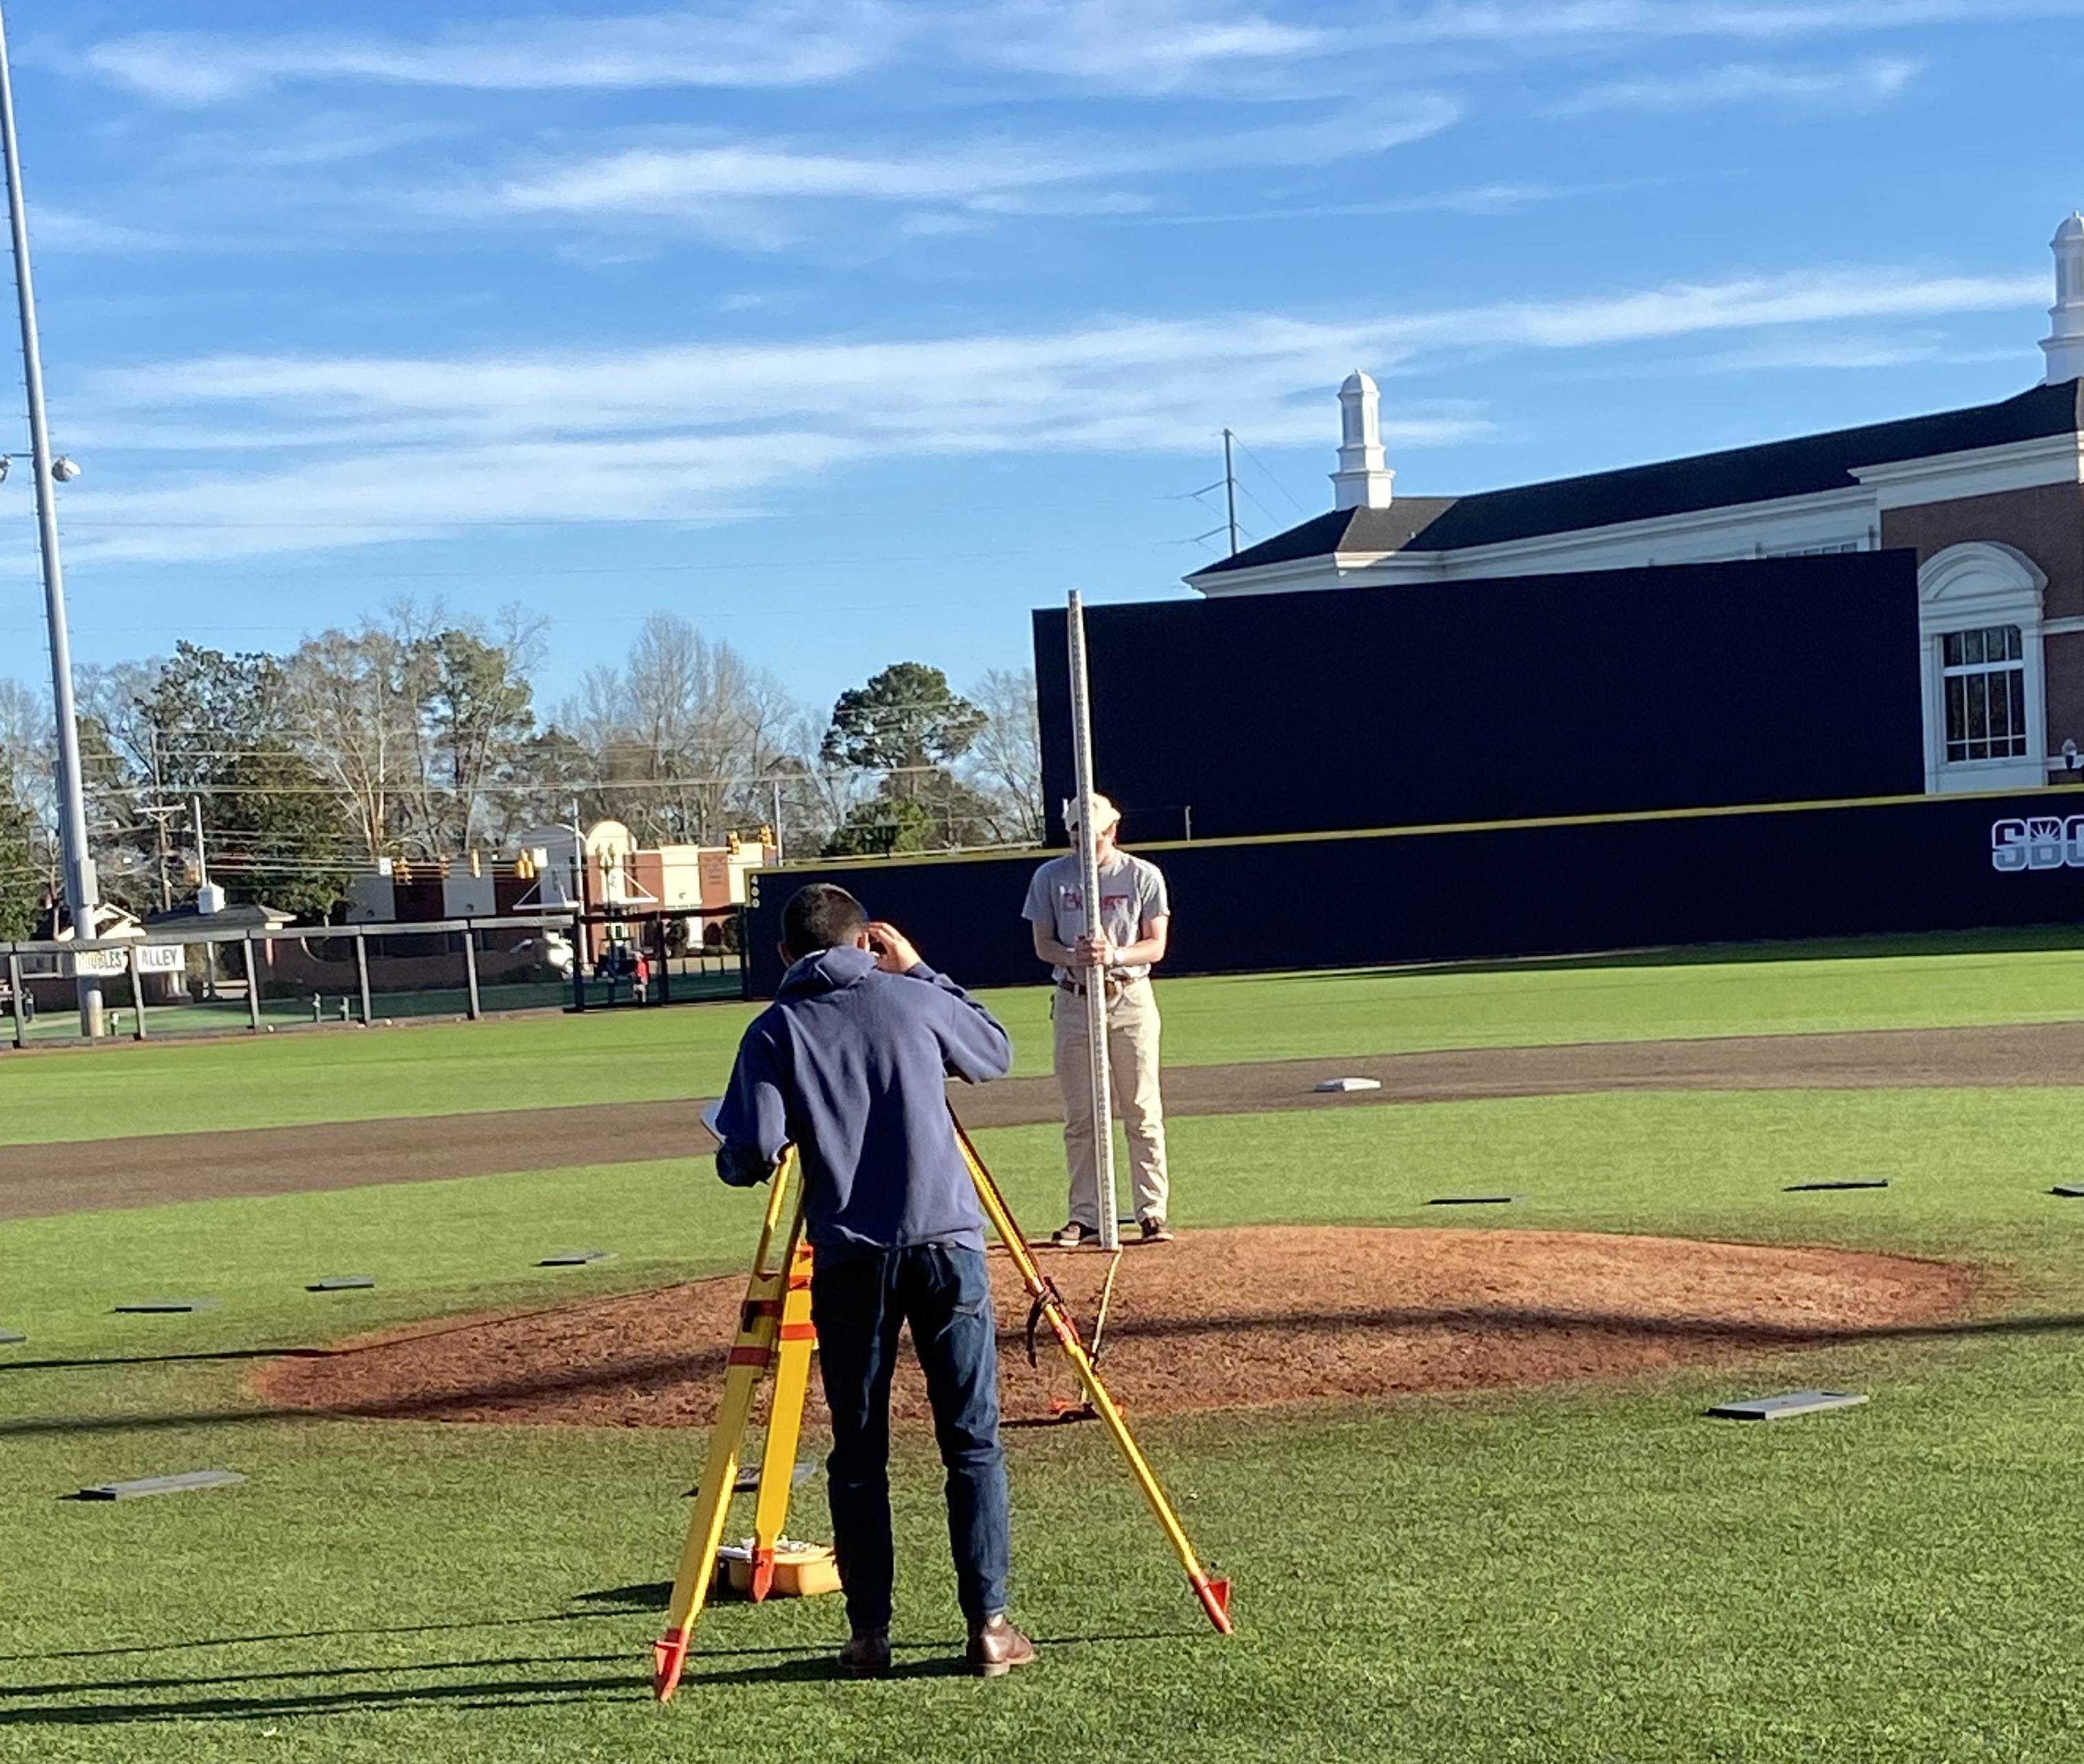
{"x":1230,"y":491}
{"x":202,"y":855}
{"x":82,"y":890}
{"x":160,"y":810}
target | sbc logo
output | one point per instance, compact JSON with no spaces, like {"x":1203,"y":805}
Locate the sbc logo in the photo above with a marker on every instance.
{"x":2037,"y":845}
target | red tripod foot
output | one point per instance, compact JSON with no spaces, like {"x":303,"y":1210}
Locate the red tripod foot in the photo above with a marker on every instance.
{"x":668,"y":1655}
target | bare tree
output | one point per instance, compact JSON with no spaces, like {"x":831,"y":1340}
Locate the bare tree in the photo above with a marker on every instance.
{"x":1004,"y":765}
{"x":690,"y":737}
{"x":27,"y":744}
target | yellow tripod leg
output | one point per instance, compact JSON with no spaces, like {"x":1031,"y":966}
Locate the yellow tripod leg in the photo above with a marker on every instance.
{"x":1215,"y":1595}
{"x":784,"y":1420}
{"x":752,"y":1357}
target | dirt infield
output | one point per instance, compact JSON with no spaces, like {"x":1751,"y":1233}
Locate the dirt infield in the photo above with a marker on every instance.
{"x":146,"y":1171}
{"x":1218,"y":1320}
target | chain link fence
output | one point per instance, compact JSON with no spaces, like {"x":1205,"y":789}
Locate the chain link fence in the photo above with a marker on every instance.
{"x":208,"y":980}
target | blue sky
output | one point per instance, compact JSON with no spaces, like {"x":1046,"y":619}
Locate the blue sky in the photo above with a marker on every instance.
{"x":854,"y":330}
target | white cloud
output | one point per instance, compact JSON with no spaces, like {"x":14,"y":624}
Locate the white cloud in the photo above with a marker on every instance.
{"x":1153,"y":48}
{"x":1478,"y":199}
{"x":387,"y":448}
{"x":1524,"y":25}
{"x":679,"y":182}
{"x":1150,"y":48}
{"x":1862,"y":85}
{"x":62,"y":229}
{"x":775,"y":42}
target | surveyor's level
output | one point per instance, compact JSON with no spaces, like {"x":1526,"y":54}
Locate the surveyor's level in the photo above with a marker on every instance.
{"x":775,"y":1335}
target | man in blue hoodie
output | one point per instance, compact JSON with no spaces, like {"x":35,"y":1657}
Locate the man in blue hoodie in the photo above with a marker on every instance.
{"x":849,"y":1065}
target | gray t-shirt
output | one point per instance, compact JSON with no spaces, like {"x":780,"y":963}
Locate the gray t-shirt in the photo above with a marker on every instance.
{"x":1132,"y":895}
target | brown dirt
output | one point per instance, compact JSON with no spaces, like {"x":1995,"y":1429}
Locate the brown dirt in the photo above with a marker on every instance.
{"x":148,"y":1170}
{"x":1218,"y":1320}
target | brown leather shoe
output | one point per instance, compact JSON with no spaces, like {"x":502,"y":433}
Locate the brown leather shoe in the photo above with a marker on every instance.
{"x":996,"y":1648}
{"x":865,"y":1655}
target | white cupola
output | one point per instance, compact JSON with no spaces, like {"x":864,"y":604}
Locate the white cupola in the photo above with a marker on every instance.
{"x":1363,"y":482}
{"x":2065,"y":343}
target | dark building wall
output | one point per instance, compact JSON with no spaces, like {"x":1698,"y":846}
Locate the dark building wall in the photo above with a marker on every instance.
{"x":1597,"y":692}
{"x":1925,"y":864}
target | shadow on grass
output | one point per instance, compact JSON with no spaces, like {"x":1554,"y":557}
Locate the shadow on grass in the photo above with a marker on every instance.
{"x":214,"y":1698}
{"x":166,"y":1360}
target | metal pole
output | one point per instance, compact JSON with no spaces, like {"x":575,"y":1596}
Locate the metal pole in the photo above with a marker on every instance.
{"x":1230,"y":491}
{"x":15,"y":997}
{"x":138,"y":991}
{"x":581,"y":953}
{"x":1095,"y":978}
{"x":82,"y":890}
{"x":470,"y":973}
{"x":202,"y":855}
{"x":778,"y":820}
{"x":159,"y":812}
{"x":252,"y":990}
{"x":361,"y":975}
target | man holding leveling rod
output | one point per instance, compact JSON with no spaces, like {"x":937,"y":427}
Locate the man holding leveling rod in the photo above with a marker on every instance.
{"x":849,"y":1065}
{"x":1134,"y":921}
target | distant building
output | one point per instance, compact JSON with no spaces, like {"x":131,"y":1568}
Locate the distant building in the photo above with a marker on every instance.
{"x":542,"y":871}
{"x":1990,"y":498}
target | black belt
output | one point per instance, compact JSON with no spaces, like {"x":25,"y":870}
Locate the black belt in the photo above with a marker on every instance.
{"x":1108,"y":989}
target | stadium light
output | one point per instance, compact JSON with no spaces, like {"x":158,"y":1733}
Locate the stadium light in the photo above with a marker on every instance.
{"x":81,"y":892}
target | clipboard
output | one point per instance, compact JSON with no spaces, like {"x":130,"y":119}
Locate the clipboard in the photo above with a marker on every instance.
{"x":709,"y":1117}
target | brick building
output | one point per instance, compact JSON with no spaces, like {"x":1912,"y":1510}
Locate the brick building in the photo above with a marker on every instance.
{"x":1989,"y":498}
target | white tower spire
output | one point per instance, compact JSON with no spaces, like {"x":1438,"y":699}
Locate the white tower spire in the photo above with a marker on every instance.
{"x":1363,"y":482}
{"x":2065,"y":343}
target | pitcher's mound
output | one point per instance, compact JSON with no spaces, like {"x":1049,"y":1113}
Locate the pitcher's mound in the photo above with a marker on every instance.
{"x":1216,"y":1320}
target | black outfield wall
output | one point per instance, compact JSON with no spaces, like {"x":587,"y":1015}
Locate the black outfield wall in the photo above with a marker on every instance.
{"x":1788,"y":679}
{"x":1353,"y":900}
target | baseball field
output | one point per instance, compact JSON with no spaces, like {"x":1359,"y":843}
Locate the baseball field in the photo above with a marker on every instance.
{"x":1455,"y":1459}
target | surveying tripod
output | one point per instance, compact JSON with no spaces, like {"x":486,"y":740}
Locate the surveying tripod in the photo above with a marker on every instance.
{"x":775,"y":1335}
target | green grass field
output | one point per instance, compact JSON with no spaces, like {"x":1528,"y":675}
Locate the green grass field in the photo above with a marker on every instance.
{"x":346,"y":1074}
{"x":1574,"y":1574}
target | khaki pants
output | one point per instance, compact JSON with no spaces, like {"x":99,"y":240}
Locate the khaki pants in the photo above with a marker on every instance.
{"x":1132,"y":1028}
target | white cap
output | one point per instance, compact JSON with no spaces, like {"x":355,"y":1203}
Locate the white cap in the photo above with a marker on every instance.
{"x":1105,"y":814}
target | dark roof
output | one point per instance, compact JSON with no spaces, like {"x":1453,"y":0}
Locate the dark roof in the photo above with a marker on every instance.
{"x":1802,"y":467}
{"x":243,"y":915}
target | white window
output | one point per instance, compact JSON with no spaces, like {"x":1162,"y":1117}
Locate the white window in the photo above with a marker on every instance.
{"x":1980,"y":619}
{"x":1983,"y":673}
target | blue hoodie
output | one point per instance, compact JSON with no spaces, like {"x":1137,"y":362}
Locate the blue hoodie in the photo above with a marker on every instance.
{"x":848,"y":1064}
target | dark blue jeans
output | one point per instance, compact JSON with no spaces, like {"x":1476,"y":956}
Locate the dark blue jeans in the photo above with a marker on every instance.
{"x":858,"y":1303}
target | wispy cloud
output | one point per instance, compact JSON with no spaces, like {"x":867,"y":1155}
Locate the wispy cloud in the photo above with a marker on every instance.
{"x":1150,"y":48}
{"x":1474,"y":199}
{"x":1000,"y":175}
{"x":62,"y":229}
{"x":1863,"y":85}
{"x":775,"y":42}
{"x":383,"y":448}
{"x":1146,"y":48}
{"x":1535,"y":24}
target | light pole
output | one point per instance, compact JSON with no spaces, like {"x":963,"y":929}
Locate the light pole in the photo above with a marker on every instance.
{"x":81,"y":892}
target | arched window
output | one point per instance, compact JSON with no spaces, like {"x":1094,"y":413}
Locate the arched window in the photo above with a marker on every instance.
{"x":1979,"y":626}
